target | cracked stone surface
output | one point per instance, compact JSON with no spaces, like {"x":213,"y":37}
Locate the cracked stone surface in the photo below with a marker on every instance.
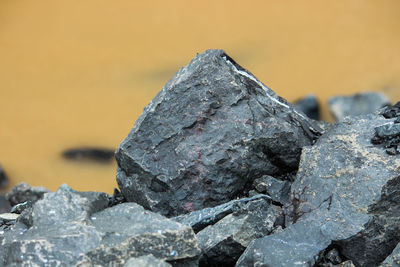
{"x":206,"y":136}
{"x":72,"y":228}
{"x":347,"y":193}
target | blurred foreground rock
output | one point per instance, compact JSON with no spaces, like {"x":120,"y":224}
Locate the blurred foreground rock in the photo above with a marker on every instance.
{"x":358,"y":104}
{"x":23,"y":192}
{"x":206,"y":136}
{"x":3,"y":178}
{"x":69,"y":228}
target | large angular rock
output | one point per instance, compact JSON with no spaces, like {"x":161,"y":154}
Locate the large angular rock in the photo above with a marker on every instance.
{"x":347,"y":193}
{"x":68,"y":228}
{"x":223,"y":242}
{"x":201,"y":141}
{"x":358,"y":104}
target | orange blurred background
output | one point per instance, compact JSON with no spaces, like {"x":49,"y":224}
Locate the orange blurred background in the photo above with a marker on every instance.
{"x":78,"y":73}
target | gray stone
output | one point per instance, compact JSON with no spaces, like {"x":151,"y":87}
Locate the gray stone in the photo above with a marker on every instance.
{"x":211,"y":130}
{"x":69,"y":228}
{"x":146,"y":261}
{"x":3,"y":178}
{"x":393,"y":259}
{"x":223,"y":242}
{"x":4,"y":204}
{"x":23,"y":192}
{"x":308,"y":105}
{"x":200,"y":219}
{"x":347,"y":192}
{"x":278,"y":190}
{"x":358,"y":104}
{"x":388,"y":130}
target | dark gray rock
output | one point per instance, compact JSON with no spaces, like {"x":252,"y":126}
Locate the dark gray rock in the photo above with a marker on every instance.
{"x":393,"y":259}
{"x":146,"y":261}
{"x":25,"y":193}
{"x":201,"y":141}
{"x":69,"y":228}
{"x":358,"y":104}
{"x":278,"y":190}
{"x":3,"y":178}
{"x":223,"y":242}
{"x":200,"y":219}
{"x":4,"y":204}
{"x":102,"y":155}
{"x":347,"y":193}
{"x":308,"y":105}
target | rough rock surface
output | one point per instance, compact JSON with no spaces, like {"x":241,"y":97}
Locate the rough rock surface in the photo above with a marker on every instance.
{"x":146,"y":261}
{"x":393,"y":259}
{"x":25,"y":193}
{"x":69,"y":228}
{"x":388,"y":135}
{"x":278,"y":190}
{"x":358,"y":104}
{"x":224,"y":242}
{"x":200,"y":219}
{"x":308,"y":105}
{"x":347,"y":193}
{"x":201,"y":141}
{"x":4,"y":204}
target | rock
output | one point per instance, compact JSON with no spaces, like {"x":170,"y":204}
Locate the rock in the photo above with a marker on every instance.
{"x":146,"y":261}
{"x":388,"y":135}
{"x":358,"y":104}
{"x":200,"y":219}
{"x":4,"y":204}
{"x":68,"y":228}
{"x":25,"y":193}
{"x":223,"y":242}
{"x":308,"y":105}
{"x":347,"y":193}
{"x":206,"y":136}
{"x":7,"y":217}
{"x":393,"y":259}
{"x":3,"y":178}
{"x":278,"y":190}
{"x":89,"y":153}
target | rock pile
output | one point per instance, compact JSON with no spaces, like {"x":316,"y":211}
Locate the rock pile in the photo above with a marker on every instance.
{"x":220,"y":171}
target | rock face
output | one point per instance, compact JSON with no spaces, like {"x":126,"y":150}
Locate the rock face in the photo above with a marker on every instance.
{"x":206,"y":136}
{"x":347,"y":193}
{"x":358,"y":104}
{"x":393,"y":259}
{"x":68,"y":228}
{"x":224,"y":242}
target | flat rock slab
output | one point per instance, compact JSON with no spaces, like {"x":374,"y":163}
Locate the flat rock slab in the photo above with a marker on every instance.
{"x":347,"y":193}
{"x":68,"y":228}
{"x":201,"y":141}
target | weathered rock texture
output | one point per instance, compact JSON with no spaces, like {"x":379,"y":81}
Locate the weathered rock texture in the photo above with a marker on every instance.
{"x":224,"y":242}
{"x":146,"y":261}
{"x":68,"y":228}
{"x":393,"y":259}
{"x":202,"y":140}
{"x":25,"y":193}
{"x":347,"y":193}
{"x":358,"y":104}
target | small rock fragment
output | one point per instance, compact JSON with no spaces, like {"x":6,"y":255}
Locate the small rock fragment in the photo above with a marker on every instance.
{"x":200,"y":219}
{"x":223,"y":242}
{"x":278,"y":190}
{"x":89,"y":153}
{"x":358,"y":104}
{"x":23,"y":192}
{"x":308,"y":105}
